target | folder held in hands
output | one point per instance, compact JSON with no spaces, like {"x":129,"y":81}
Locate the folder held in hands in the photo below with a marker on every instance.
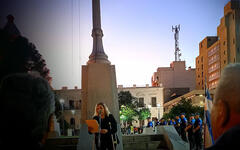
{"x":93,"y":124}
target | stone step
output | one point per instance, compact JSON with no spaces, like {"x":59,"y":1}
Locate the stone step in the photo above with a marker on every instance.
{"x":130,"y":142}
{"x":144,"y":142}
{"x":67,"y":147}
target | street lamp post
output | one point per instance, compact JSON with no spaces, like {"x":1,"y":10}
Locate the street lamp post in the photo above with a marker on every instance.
{"x":73,"y":126}
{"x":158,"y":106}
{"x":62,"y":104}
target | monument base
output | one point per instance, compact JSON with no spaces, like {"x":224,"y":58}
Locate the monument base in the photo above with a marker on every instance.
{"x":173,"y":140}
{"x":99,"y":85}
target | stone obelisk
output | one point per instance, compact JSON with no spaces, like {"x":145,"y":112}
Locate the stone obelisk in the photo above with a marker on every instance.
{"x":98,"y":76}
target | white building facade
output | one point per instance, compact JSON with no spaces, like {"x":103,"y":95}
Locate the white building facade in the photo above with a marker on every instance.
{"x":150,"y":97}
{"x":70,"y":100}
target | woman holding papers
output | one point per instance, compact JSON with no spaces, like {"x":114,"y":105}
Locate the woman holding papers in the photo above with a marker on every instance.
{"x":107,"y":128}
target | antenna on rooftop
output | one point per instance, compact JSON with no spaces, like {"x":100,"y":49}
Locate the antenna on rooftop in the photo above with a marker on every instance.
{"x":177,"y":53}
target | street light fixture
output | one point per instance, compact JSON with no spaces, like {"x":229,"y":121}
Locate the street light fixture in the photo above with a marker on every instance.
{"x":73,"y":112}
{"x":62,"y":104}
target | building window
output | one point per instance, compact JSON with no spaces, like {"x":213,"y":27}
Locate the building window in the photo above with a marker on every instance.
{"x":202,"y":66}
{"x":223,"y":42}
{"x":233,"y":40}
{"x":72,"y":121}
{"x":224,"y":61}
{"x":201,"y":59}
{"x":198,"y":61}
{"x":71,"y":104}
{"x":141,"y":102}
{"x":154,"y":102}
{"x":202,"y":74}
{"x":234,"y":60}
{"x":224,"y":52}
{"x":80,"y":103}
{"x":198,"y":83}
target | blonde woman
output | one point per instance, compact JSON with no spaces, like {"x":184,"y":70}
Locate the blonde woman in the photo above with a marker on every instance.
{"x":108,"y":128}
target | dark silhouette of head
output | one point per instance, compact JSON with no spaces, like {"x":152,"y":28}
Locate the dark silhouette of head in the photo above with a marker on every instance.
{"x":27,"y":103}
{"x":225,"y":112}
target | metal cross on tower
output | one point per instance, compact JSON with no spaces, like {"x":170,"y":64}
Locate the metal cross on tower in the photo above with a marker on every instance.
{"x":176,"y":37}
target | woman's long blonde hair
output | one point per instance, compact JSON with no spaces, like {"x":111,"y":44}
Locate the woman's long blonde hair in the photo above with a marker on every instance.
{"x":107,"y":112}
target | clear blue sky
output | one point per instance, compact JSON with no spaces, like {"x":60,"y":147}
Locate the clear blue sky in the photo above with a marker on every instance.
{"x":137,"y":33}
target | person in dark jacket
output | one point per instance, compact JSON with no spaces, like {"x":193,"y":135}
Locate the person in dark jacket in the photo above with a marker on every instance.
{"x":150,"y":124}
{"x":169,"y":122}
{"x":157,"y":122}
{"x":189,"y":129}
{"x":197,"y":131}
{"x":106,"y":140}
{"x":225,"y":114}
{"x":173,"y":122}
{"x":163,"y":122}
{"x":183,"y":125}
{"x":177,"y":125}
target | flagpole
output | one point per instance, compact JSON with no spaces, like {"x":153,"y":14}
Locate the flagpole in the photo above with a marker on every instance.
{"x":208,"y":137}
{"x":204,"y":134}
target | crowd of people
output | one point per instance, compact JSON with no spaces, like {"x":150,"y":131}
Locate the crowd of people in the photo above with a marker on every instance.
{"x":190,"y":130}
{"x":130,"y":129}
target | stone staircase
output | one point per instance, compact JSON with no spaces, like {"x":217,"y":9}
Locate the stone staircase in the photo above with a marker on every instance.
{"x":144,"y":142}
{"x":62,"y":143}
{"x":130,"y":142}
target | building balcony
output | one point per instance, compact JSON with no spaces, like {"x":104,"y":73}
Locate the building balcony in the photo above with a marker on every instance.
{"x":213,"y":51}
{"x":213,"y":60}
{"x":212,"y":86}
{"x":213,"y":68}
{"x":214,"y":77}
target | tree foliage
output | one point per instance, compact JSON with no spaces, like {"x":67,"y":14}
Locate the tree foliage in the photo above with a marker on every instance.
{"x":125,"y":98}
{"x":128,"y":106}
{"x":184,"y":106}
{"x":127,"y":114}
{"x":18,"y":55}
{"x":144,"y":113}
